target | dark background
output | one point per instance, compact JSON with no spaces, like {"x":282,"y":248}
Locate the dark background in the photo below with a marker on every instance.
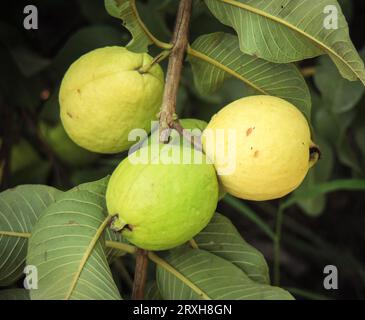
{"x":33,"y":62}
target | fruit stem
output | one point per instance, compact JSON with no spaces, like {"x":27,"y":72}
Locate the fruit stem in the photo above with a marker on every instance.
{"x":173,"y":75}
{"x":140,"y":274}
{"x":161,"y":56}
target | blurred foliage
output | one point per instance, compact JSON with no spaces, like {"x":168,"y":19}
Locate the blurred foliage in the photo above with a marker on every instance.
{"x":33,"y":63}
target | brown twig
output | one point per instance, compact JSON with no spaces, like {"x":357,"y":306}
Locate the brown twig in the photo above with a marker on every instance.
{"x":140,"y":274}
{"x":167,"y":116}
{"x":173,"y":75}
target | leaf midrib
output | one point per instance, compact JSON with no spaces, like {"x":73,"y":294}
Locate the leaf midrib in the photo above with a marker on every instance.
{"x":214,"y":62}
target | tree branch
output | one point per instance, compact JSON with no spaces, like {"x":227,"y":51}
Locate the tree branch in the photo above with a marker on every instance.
{"x":167,"y":116}
{"x":173,"y":75}
{"x":140,"y":274}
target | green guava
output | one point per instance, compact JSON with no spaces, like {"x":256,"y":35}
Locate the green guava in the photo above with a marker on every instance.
{"x":158,"y":205}
{"x":65,"y":149}
{"x":22,"y":156}
{"x":104,"y":95}
{"x":175,"y":138}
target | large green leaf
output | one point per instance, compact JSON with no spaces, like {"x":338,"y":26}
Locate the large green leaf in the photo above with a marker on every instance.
{"x":290,"y":30}
{"x":126,"y":10}
{"x":198,"y":274}
{"x":14,"y":294}
{"x":216,"y":57}
{"x":20,"y":208}
{"x":67,"y":247}
{"x":222,"y":238}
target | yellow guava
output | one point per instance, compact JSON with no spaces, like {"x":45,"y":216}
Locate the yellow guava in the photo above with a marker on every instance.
{"x":65,"y":149}
{"x":104,"y":95}
{"x":261,"y":147}
{"x":159,"y":205}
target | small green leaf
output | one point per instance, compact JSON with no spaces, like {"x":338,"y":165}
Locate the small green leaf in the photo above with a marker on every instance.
{"x":126,"y":10}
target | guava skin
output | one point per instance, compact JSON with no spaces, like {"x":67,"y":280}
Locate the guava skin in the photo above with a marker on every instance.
{"x":273,"y":142}
{"x":161,"y":206}
{"x":103,"y":96}
{"x":64,"y":147}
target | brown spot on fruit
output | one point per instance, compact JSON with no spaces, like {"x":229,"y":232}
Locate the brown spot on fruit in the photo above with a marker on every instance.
{"x":78,"y":91}
{"x":69,"y":114}
{"x":256,"y":154}
{"x":249,"y":131}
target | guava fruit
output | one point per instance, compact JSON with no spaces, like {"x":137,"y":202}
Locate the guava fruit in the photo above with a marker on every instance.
{"x":22,"y":156}
{"x":272,"y":150}
{"x":65,"y":149}
{"x":104,"y":95}
{"x":158,"y":205}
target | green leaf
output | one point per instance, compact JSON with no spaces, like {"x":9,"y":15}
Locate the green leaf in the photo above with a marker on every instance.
{"x":290,"y":30}
{"x":126,"y":10}
{"x":216,"y":57}
{"x":20,"y":208}
{"x":221,"y":238}
{"x":67,"y":247}
{"x":338,"y":93}
{"x":198,"y":274}
{"x":324,"y":188}
{"x":14,"y":294}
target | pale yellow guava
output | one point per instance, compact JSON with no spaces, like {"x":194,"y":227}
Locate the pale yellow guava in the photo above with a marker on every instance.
{"x":104,"y":95}
{"x":272,"y":150}
{"x":158,"y":206}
